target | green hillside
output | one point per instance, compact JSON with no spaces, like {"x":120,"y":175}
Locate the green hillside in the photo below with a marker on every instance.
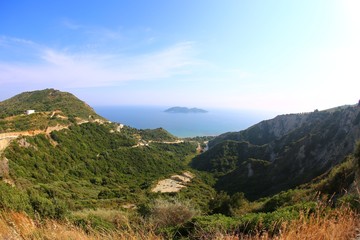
{"x":281,"y":153}
{"x":52,"y":108}
{"x":86,"y":165}
{"x":45,"y":101}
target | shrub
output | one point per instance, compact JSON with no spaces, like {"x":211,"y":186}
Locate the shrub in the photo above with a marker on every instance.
{"x":12,"y":198}
{"x":222,"y":203}
{"x":169,"y":213}
{"x":50,"y":208}
{"x":351,"y":200}
{"x":204,"y":227}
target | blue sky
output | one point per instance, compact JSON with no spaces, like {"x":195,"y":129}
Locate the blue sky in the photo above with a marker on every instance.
{"x":281,"y":56}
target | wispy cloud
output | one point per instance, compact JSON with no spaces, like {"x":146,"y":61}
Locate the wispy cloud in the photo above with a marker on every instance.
{"x":93,"y":33}
{"x":70,"y":24}
{"x":57,"y":68}
{"x":8,"y":42}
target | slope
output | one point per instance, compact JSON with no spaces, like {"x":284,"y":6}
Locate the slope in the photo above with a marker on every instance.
{"x":65,"y":156}
{"x":89,"y":165}
{"x":47,"y":100}
{"x":281,"y":153}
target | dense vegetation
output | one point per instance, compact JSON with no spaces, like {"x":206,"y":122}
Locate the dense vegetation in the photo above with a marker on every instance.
{"x":89,"y":166}
{"x":36,"y":121}
{"x":281,"y":153}
{"x":158,"y":134}
{"x":178,"y":217}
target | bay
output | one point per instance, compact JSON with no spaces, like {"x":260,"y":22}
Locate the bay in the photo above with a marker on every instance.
{"x":212,"y":123}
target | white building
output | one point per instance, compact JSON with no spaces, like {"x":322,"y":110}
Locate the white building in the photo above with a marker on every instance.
{"x":28,"y":112}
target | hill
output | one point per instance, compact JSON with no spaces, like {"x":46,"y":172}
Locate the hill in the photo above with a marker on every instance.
{"x":69,"y":151}
{"x":281,"y":153}
{"x":50,"y":109}
{"x":47,"y":100}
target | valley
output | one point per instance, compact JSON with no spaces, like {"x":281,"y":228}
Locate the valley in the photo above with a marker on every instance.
{"x":65,"y":165}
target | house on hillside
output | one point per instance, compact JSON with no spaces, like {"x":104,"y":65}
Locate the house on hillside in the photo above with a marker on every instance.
{"x":28,"y":112}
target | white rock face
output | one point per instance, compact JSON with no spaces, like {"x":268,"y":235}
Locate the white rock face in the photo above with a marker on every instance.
{"x":173,"y":184}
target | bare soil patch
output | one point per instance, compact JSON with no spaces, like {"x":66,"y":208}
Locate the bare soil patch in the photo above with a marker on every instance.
{"x":173,"y":184}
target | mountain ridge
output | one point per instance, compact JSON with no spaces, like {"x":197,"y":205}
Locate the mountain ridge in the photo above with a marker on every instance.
{"x":295,"y":148}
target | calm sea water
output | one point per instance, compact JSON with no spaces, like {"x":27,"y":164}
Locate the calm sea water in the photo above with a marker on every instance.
{"x":212,"y":123}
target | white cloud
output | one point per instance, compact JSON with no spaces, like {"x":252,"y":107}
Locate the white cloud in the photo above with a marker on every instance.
{"x":57,"y":68}
{"x":10,"y":42}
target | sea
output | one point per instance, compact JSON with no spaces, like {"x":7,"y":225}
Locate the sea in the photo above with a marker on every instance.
{"x":212,"y":123}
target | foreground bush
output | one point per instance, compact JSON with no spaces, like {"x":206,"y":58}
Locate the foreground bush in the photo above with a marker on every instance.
{"x":170,"y":213}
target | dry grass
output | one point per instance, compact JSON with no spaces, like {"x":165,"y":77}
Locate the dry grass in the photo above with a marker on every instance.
{"x":338,"y":224}
{"x":15,"y":226}
{"x":119,"y":218}
{"x":323,"y":225}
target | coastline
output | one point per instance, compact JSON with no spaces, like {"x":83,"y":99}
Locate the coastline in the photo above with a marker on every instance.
{"x":212,"y":123}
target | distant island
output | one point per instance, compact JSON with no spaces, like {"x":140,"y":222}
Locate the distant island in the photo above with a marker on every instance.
{"x":185,"y":110}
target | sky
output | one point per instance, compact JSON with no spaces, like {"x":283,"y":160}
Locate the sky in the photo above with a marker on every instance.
{"x":276,"y":55}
